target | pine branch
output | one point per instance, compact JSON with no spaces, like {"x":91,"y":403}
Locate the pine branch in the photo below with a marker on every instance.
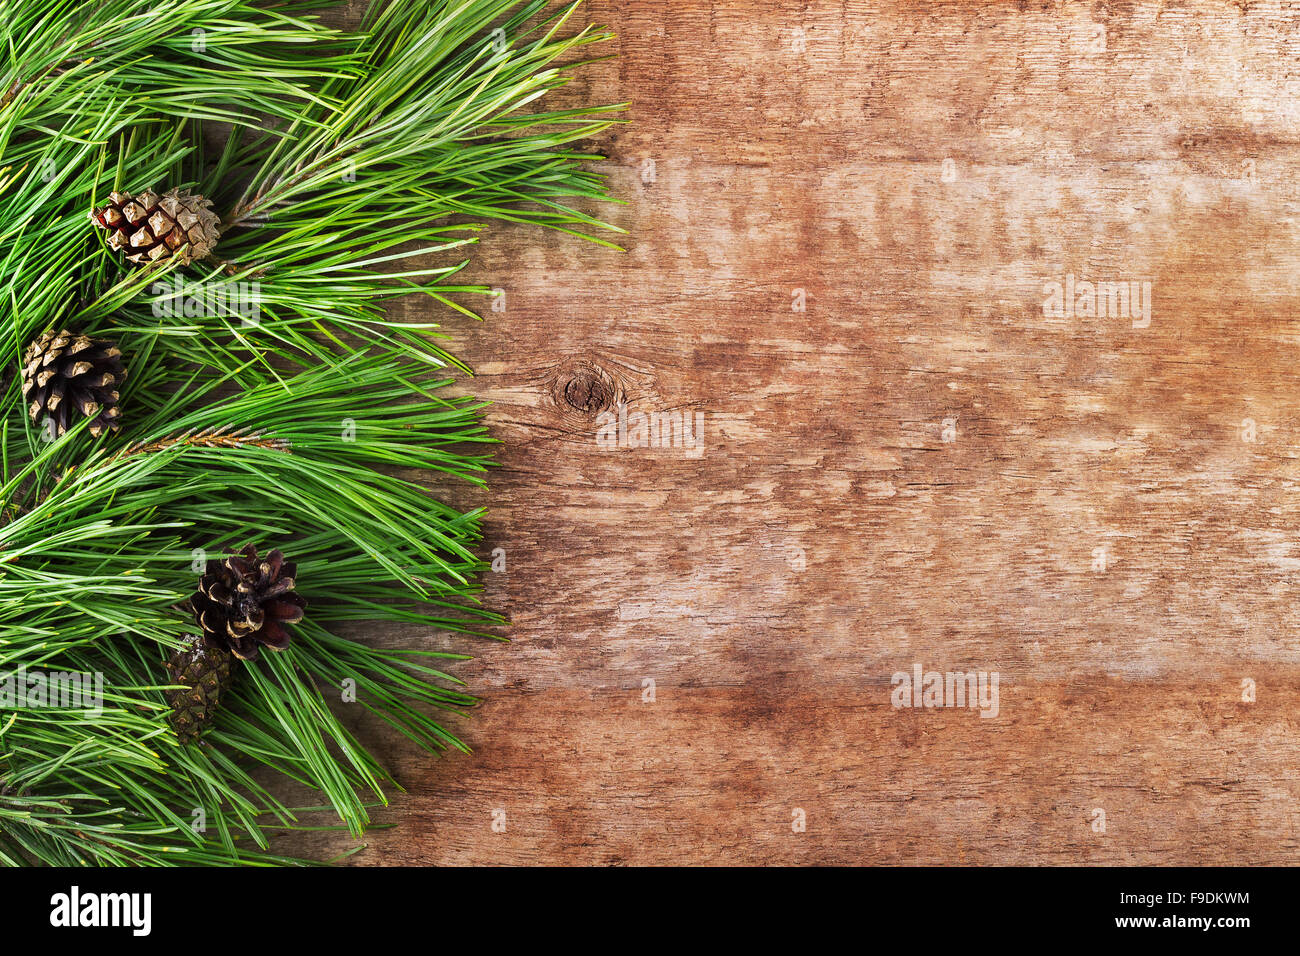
{"x":314,"y":428}
{"x":211,"y":437}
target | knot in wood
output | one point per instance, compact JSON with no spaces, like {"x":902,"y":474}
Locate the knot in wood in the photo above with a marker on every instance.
{"x":585,"y":388}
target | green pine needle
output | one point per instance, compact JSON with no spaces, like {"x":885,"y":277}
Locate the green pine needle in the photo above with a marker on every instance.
{"x":349,"y":167}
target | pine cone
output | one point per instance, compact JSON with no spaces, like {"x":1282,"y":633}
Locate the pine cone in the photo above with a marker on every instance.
{"x":243,"y":603}
{"x":206,"y":671}
{"x":65,"y":372}
{"x":148,"y":227}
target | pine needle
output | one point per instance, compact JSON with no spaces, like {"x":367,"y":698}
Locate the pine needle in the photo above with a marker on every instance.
{"x":352,"y":167}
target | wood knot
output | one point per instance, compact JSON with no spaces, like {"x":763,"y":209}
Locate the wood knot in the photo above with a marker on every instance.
{"x":585,"y":388}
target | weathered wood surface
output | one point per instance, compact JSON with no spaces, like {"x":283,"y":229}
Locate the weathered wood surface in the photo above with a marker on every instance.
{"x":828,"y":535}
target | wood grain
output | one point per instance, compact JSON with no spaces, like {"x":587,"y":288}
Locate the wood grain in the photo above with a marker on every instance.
{"x":828,"y":535}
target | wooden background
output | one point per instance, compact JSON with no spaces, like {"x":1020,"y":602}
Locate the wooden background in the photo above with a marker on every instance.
{"x":828,"y":535}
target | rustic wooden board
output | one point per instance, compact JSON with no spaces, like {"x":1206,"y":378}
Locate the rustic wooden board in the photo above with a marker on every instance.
{"x":921,"y":171}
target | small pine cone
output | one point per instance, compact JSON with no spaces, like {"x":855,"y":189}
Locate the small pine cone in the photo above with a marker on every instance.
{"x":66,"y":373}
{"x":205,"y":671}
{"x":243,"y":603}
{"x":149,"y":227}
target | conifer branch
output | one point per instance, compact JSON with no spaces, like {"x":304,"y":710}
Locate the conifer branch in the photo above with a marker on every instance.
{"x":359,"y":165}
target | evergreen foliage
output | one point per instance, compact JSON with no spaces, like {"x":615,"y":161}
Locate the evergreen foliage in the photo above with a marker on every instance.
{"x":357,"y":166}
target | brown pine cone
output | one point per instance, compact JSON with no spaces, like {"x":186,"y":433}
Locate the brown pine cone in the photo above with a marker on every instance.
{"x":65,"y":373}
{"x":244,"y":604}
{"x":149,"y":227}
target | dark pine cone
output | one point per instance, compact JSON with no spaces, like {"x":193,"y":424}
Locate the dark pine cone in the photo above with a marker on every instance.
{"x":243,"y":603}
{"x":65,"y":373}
{"x":205,"y":671}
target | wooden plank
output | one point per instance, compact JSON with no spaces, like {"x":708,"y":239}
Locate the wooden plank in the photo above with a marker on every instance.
{"x":1109,"y":528}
